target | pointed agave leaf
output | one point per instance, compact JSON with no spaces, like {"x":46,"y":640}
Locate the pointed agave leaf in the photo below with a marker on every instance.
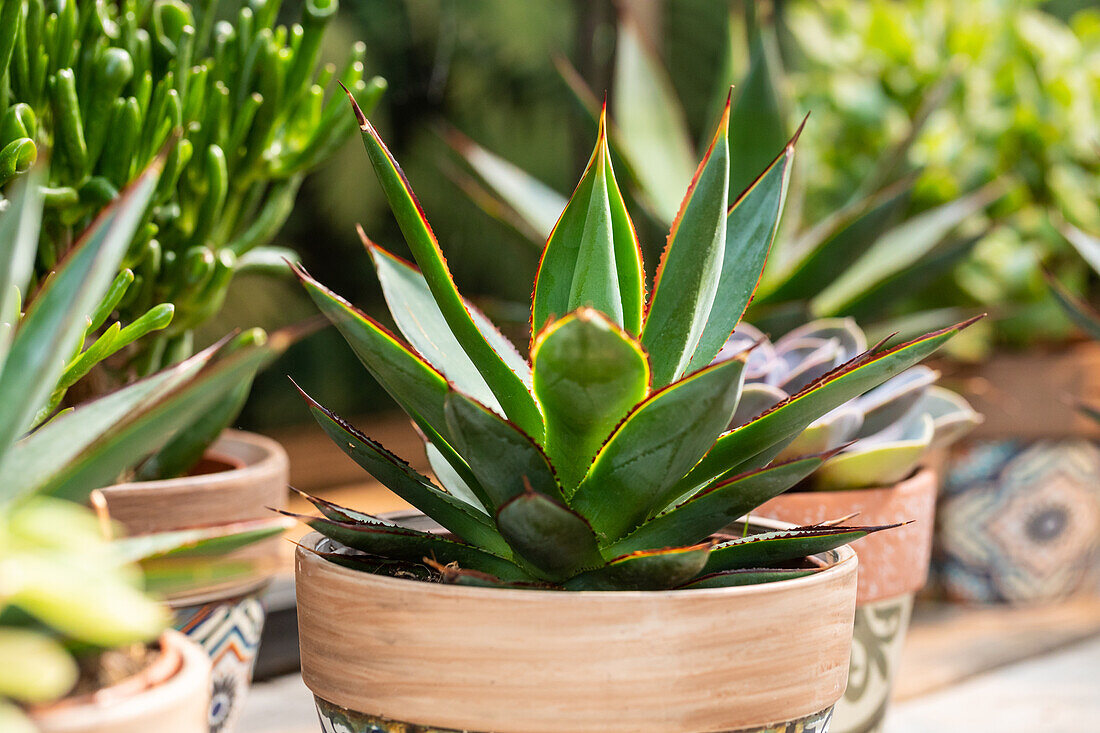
{"x":751,"y":225}
{"x":718,"y":506}
{"x":56,"y":319}
{"x":417,"y":316}
{"x":412,"y":382}
{"x":1081,"y":313}
{"x":199,"y":542}
{"x":336,"y":512}
{"x":899,"y":248}
{"x":147,"y":431}
{"x":538,"y":205}
{"x":691,"y":266}
{"x":769,"y":548}
{"x":508,"y":388}
{"x":501,"y":456}
{"x":588,"y":374}
{"x":19,"y":228}
{"x":754,"y":444}
{"x":645,"y":570}
{"x":592,"y":256}
{"x":889,"y":402}
{"x":549,"y":535}
{"x":408,"y":545}
{"x":39,"y":458}
{"x":749,"y":576}
{"x":400,"y":478}
{"x":657,"y":443}
{"x":653,"y":132}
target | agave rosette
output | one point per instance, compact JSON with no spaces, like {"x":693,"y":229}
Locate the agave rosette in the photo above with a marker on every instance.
{"x":880,"y":436}
{"x":605,"y":461}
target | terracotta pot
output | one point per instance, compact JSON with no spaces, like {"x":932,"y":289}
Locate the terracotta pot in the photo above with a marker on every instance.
{"x":170,"y":696}
{"x":241,"y":474}
{"x":893,"y":566}
{"x":1019,"y":517}
{"x":390,"y":654}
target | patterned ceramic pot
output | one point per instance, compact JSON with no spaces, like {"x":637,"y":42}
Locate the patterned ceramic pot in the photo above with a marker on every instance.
{"x":1019,"y":521}
{"x":893,"y":566}
{"x":392,"y":654}
{"x":1019,"y":518}
{"x":241,"y":474}
{"x":170,"y":696}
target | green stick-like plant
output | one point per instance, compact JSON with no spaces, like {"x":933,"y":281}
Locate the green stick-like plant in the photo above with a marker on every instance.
{"x":103,"y":85}
{"x":605,"y":461}
{"x":65,"y":589}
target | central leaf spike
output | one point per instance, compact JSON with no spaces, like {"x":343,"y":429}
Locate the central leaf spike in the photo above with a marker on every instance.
{"x":592,"y":258}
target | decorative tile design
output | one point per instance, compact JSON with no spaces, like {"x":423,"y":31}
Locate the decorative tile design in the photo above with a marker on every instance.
{"x":335,"y":719}
{"x":229,"y":631}
{"x":1018,"y":521}
{"x":880,"y":629}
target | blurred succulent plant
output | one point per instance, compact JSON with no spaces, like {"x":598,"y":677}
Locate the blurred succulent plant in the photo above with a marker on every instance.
{"x":853,"y":258}
{"x":65,"y":589}
{"x":605,"y":462}
{"x":104,"y":84}
{"x":882,"y":435}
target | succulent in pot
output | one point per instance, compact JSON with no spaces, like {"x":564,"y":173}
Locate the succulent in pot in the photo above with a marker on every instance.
{"x":72,"y":601}
{"x":604,"y":463}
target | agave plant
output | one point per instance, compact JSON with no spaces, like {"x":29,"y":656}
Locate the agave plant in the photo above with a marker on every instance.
{"x":603,"y":462}
{"x":103,"y":85}
{"x":65,"y":588}
{"x":1083,"y":315}
{"x":860,"y":256}
{"x":881,"y":436}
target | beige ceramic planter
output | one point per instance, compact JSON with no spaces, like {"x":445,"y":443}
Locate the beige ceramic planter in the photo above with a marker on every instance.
{"x":241,"y":475}
{"x":388,"y":654}
{"x":171,"y":696}
{"x":893,"y":566}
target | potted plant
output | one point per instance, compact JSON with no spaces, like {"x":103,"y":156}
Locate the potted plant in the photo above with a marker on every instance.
{"x":602,"y":467}
{"x":104,"y":86}
{"x":882,"y":474}
{"x":74,"y":619}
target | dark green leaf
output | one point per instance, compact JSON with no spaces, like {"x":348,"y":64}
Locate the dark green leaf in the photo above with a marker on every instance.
{"x":645,"y":570}
{"x":771,"y":548}
{"x":749,"y":576}
{"x":549,"y":535}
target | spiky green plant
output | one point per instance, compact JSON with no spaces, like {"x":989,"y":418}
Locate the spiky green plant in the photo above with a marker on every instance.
{"x":881,"y":436}
{"x":103,"y":85}
{"x":66,"y":590}
{"x":605,"y":462}
{"x":1082,"y":313}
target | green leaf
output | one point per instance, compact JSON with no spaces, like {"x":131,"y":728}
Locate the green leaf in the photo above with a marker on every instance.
{"x":548,"y":534}
{"x":717,"y":506}
{"x":147,"y":431}
{"x":1081,"y":313}
{"x":754,"y":444}
{"x":879,"y":461}
{"x":501,"y":456}
{"x":408,"y":545}
{"x":412,"y":382}
{"x":645,"y":570}
{"x":757,"y":119}
{"x":899,"y":248}
{"x":452,"y":471}
{"x":753,"y":576}
{"x":509,"y":389}
{"x":592,"y":257}
{"x":212,"y":541}
{"x":19,"y":228}
{"x":1086,"y":244}
{"x":418,"y":318}
{"x":588,"y":374}
{"x":335,"y":511}
{"x":653,"y":133}
{"x":691,"y":266}
{"x":41,"y":457}
{"x":657,"y":443}
{"x":751,"y":225}
{"x":770,"y":548}
{"x":56,"y":319}
{"x":400,"y":478}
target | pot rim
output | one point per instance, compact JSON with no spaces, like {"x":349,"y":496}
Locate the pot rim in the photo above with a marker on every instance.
{"x":843,"y":557}
{"x":273,"y":455}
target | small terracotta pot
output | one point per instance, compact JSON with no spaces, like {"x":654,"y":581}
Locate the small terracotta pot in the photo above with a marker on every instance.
{"x":1019,"y":517}
{"x":170,"y":696}
{"x":240,"y":475}
{"x":893,"y":566}
{"x":391,"y":654}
